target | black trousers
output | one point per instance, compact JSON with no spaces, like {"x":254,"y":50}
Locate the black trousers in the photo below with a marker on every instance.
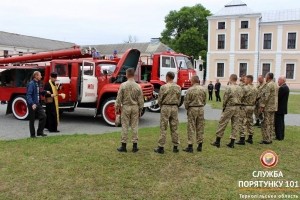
{"x":279,"y":126}
{"x":40,"y":114}
{"x":51,"y":122}
{"x":218,"y":95}
{"x":210,"y":95}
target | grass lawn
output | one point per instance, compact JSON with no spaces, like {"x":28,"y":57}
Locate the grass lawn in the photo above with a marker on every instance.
{"x":89,"y":167}
{"x":293,"y":104}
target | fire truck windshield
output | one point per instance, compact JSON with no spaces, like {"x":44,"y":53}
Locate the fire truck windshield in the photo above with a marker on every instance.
{"x":184,"y":63}
{"x":110,"y":68}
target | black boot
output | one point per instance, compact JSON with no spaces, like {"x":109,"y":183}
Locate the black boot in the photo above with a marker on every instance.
{"x":241,"y":141}
{"x":250,"y":139}
{"x":175,"y":149}
{"x":122,"y":148}
{"x":199,"y":148}
{"x":159,"y":150}
{"x":257,"y":123}
{"x":217,"y":142}
{"x":189,"y":149}
{"x":135,"y":148}
{"x":231,"y":144}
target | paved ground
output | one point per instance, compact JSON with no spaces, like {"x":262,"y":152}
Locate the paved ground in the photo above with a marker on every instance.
{"x":82,"y":121}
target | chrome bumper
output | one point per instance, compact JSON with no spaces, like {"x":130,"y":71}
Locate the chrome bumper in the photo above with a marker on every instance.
{"x":183,"y":92}
{"x":150,"y":103}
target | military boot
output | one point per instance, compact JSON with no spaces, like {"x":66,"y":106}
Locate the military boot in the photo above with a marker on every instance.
{"x":199,"y":148}
{"x":175,"y":149}
{"x":189,"y":149}
{"x":159,"y":150}
{"x":217,"y":142}
{"x":135,"y":148}
{"x":122,"y":148}
{"x":231,"y":144}
{"x":241,"y":141}
{"x":250,"y":139}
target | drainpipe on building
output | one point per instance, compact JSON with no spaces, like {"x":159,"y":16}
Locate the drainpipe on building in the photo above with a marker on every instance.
{"x":258,"y":49}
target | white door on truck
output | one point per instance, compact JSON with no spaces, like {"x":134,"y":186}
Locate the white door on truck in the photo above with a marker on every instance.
{"x":167,"y":64}
{"x":89,"y":83}
{"x":198,"y":66}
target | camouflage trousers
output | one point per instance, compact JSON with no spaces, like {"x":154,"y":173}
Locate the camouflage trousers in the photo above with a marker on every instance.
{"x":195,"y":124}
{"x":256,"y":112}
{"x":168,"y":116}
{"x":242,"y":119}
{"x":230,"y":113}
{"x":130,"y":118}
{"x":267,"y":126}
{"x":247,"y":127}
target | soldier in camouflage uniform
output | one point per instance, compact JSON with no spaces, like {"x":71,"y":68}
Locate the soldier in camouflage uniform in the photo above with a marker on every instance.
{"x":169,"y":97}
{"x":242,"y":114}
{"x":130,"y":102}
{"x":248,"y":106}
{"x":260,"y":86}
{"x":231,"y":111}
{"x":268,"y":105}
{"x":194,"y":101}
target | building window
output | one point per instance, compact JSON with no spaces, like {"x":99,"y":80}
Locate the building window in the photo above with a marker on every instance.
{"x":267,"y":40}
{"x":243,"y":69}
{"x":291,"y":41}
{"x":221,"y":25}
{"x":266,"y":68}
{"x":5,"y":53}
{"x":289,"y":72}
{"x":244,"y":41}
{"x":244,"y":24}
{"x":220,"y":69}
{"x":221,"y":41}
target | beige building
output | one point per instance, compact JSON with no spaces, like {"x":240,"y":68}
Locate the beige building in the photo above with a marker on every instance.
{"x":241,"y":41}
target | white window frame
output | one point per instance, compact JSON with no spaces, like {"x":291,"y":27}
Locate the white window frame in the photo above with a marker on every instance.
{"x":294,"y":63}
{"x":240,"y":23}
{"x":240,"y":67}
{"x":287,"y":40}
{"x":218,"y":25}
{"x":262,"y":64}
{"x":218,"y":41}
{"x":217,"y":69}
{"x":263,"y":41}
{"x":240,"y":36}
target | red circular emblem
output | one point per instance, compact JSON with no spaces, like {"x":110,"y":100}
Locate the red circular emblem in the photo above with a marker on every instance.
{"x":269,"y":159}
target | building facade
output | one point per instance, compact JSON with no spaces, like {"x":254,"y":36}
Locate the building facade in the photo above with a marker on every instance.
{"x":244,"y":42}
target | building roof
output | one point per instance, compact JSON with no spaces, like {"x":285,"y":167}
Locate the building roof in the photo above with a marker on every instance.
{"x":281,"y":15}
{"x":17,"y":40}
{"x":145,"y":47}
{"x":235,"y":7}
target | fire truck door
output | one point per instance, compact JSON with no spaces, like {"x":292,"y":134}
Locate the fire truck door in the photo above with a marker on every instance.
{"x":167,"y":64}
{"x":198,"y":66}
{"x":89,"y":83}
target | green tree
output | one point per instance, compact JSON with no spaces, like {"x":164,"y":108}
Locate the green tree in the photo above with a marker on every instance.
{"x":186,"y":30}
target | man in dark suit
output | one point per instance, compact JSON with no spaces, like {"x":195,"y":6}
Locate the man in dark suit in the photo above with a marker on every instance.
{"x":283,"y":96}
{"x":217,"y":90}
{"x":210,"y":88}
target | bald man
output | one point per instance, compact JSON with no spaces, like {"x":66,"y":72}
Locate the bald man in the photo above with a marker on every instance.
{"x":283,"y":97}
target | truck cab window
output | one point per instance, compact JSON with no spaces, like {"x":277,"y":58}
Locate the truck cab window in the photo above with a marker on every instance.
{"x":61,"y":70}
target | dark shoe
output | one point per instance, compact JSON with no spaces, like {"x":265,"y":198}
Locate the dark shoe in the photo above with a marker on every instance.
{"x":135,"y":148}
{"x":189,"y":149}
{"x":199,"y":148}
{"x":57,"y":131}
{"x":32,"y":136}
{"x":265,"y":142}
{"x":217,"y":142}
{"x":175,"y":149}
{"x":241,"y":141}
{"x":42,"y":134}
{"x":122,"y":148}
{"x":231,"y":144}
{"x":250,"y":139}
{"x":159,"y":150}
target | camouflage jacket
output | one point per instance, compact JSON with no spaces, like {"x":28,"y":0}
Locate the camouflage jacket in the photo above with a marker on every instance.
{"x":232,"y":96}
{"x":195,"y":97}
{"x":269,"y":98}
{"x":250,"y":95}
{"x":243,"y":93}
{"x":130,"y":93}
{"x":169,"y":94}
{"x":260,"y":88}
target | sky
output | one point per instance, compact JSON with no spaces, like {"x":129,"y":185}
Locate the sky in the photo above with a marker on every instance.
{"x":93,"y":22}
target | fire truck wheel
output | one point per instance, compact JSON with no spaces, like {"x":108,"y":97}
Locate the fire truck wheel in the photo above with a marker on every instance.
{"x":108,"y":111}
{"x":19,"y":108}
{"x":181,"y":101}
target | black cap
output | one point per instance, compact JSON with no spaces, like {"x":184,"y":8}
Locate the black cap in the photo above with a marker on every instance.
{"x":53,"y":75}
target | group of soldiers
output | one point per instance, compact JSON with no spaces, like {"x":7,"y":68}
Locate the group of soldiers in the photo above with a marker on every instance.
{"x":239,"y":104}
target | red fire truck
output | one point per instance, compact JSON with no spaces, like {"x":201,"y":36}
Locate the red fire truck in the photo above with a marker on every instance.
{"x":154,"y":69}
{"x":87,"y":82}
